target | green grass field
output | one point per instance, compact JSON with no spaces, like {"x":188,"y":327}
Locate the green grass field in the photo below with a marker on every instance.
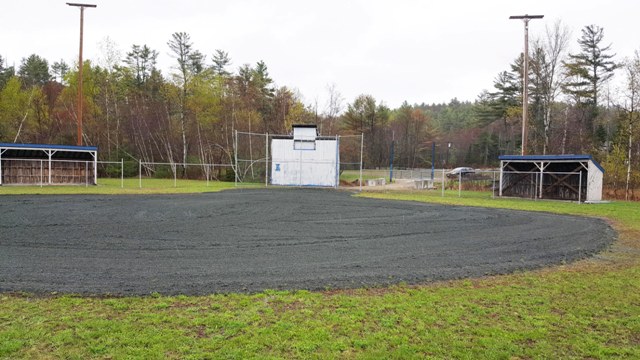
{"x":354,"y":175}
{"x":585,"y":310}
{"x":130,"y":186}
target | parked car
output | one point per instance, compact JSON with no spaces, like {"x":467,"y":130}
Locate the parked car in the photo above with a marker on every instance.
{"x":460,"y":171}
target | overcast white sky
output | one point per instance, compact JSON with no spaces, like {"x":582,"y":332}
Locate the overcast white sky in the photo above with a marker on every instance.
{"x":396,"y":50}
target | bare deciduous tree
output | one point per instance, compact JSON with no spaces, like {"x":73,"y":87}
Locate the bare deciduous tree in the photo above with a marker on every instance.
{"x":555,"y":46}
{"x":631,"y":105}
{"x":332,"y":109}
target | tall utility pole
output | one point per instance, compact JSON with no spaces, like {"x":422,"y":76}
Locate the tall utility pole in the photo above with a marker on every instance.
{"x":525,"y":75}
{"x":81,"y":6}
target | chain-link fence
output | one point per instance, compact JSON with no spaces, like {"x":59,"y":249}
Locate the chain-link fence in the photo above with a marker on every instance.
{"x":327,"y":161}
{"x":173,"y":174}
{"x":572,"y":186}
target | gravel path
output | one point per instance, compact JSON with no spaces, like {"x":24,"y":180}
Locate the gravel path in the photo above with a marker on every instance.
{"x":251,"y":240}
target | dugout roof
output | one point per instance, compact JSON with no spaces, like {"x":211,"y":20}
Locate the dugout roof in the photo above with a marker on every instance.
{"x":551,"y":158}
{"x":42,"y":151}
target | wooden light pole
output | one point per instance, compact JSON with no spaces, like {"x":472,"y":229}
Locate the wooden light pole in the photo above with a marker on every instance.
{"x":81,"y":6}
{"x":525,"y":76}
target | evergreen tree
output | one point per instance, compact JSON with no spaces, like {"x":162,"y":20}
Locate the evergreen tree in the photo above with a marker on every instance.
{"x":142,"y":61}
{"x":263,"y":80}
{"x":371,"y":119}
{"x":507,"y":96}
{"x":5,"y":72}
{"x":589,"y":70}
{"x":59,"y":69}
{"x":221,"y":61}
{"x":34,"y":70}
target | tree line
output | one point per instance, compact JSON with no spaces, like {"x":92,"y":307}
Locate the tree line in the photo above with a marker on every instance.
{"x":573,"y":106}
{"x":134,"y":111}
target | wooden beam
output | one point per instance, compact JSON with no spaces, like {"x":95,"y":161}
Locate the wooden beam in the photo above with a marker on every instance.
{"x":562,"y":181}
{"x":522,"y":176}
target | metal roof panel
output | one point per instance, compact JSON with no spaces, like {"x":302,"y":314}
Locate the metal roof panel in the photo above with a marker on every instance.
{"x":48,"y":147}
{"x":565,"y":157}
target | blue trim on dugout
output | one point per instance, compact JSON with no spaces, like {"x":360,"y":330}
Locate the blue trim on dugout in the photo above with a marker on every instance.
{"x":549,"y":158}
{"x":47,"y":146}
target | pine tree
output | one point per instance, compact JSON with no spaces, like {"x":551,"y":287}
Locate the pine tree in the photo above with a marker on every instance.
{"x":589,"y":70}
{"x":5,"y":73}
{"x":34,"y":70}
{"x":142,"y":61}
{"x":221,"y":61}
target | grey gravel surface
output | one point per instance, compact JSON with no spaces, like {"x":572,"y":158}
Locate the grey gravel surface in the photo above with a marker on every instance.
{"x":251,"y":240}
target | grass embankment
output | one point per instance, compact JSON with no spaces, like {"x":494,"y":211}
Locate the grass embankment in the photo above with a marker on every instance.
{"x":590,"y":309}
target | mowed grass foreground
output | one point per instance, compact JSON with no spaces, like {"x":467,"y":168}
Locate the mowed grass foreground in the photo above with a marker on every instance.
{"x":590,"y":309}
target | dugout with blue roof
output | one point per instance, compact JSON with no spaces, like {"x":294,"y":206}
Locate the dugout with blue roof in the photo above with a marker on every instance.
{"x":560,"y":177}
{"x":44,"y":164}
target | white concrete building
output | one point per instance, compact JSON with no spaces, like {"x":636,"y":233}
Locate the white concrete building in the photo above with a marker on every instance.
{"x":305,"y":158}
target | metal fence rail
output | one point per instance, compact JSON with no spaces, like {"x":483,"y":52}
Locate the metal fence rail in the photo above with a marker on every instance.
{"x":105,"y":172}
{"x":190,"y":171}
{"x":530,"y":184}
{"x":254,"y":161}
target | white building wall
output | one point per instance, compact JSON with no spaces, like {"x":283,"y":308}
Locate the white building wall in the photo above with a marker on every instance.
{"x":594,"y":183}
{"x":317,"y":167}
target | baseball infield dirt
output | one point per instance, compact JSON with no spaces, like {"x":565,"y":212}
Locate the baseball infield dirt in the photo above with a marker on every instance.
{"x":251,"y":240}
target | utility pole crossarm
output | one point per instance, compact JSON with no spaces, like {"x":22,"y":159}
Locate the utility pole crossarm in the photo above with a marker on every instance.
{"x":525,"y":75}
{"x":82,"y":5}
{"x":526,"y":17}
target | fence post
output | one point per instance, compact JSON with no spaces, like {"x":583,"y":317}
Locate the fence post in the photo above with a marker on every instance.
{"x":175,"y":176}
{"x":443,"y":180}
{"x":460,"y":184}
{"x":337,"y":162}
{"x":140,"y":173}
{"x":541,"y":191}
{"x":580,"y":189}
{"x":86,"y":173}
{"x":41,"y":174}
{"x":235,"y":152}
{"x":121,"y":173}
{"x":501,"y":176}
{"x":95,"y":169}
{"x":266,"y":160}
{"x":49,"y":153}
{"x":493,"y":185}
{"x":391,"y":159}
{"x":361,"y":151}
{"x":433,"y":160}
